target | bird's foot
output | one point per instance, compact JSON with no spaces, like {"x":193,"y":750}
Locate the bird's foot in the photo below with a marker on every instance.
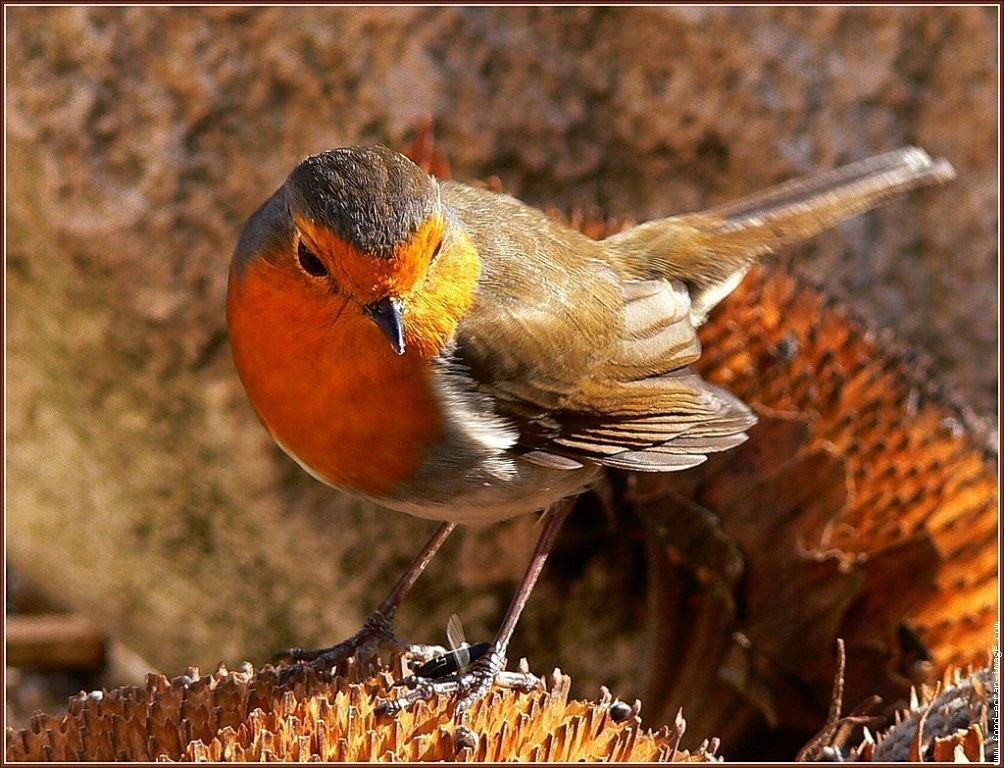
{"x":470,"y":684}
{"x":377,"y":632}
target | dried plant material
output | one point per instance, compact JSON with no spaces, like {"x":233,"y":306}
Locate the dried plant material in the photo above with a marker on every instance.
{"x":953,"y":725}
{"x":863,"y":506}
{"x":423,"y":151}
{"x":590,"y":221}
{"x":248,"y":716}
{"x":915,"y":475}
{"x":815,"y":746}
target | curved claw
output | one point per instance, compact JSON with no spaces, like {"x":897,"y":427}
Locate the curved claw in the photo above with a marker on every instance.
{"x":298,"y":654}
{"x":297,"y":671}
{"x":376,"y":631}
{"x":479,"y":680}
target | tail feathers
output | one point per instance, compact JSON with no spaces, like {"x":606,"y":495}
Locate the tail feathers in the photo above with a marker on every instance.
{"x":826,"y":198}
{"x":711,"y":251}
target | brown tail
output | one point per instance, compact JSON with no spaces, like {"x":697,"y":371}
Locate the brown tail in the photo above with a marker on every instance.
{"x":711,"y":251}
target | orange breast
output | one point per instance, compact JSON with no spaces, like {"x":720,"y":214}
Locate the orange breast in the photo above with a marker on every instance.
{"x":326,"y":383}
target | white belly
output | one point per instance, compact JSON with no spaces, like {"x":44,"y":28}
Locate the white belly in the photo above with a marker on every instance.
{"x":486,"y":497}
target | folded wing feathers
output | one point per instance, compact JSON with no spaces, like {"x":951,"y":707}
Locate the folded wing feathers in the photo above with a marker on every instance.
{"x":645,"y":410}
{"x":648,"y":461}
{"x":551,"y":460}
{"x":662,"y":443}
{"x":657,"y":335}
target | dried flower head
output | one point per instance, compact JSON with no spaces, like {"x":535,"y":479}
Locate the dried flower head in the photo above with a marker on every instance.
{"x":248,"y":716}
{"x":956,"y":723}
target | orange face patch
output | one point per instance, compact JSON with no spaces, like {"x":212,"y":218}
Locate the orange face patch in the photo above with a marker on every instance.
{"x":436,"y":296}
{"x":369,"y":278}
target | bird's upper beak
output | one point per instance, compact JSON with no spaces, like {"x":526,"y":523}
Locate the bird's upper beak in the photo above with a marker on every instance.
{"x":387,"y":314}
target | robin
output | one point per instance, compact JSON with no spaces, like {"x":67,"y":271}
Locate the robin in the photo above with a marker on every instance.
{"x":453,"y":353}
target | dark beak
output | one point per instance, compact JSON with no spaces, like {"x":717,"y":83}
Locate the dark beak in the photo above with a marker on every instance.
{"x":387,"y":313}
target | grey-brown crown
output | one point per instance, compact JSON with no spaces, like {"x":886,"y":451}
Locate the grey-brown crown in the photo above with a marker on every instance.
{"x":371,"y":196}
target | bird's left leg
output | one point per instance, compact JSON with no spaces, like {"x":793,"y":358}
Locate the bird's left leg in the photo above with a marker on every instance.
{"x":378,"y":629}
{"x":475,"y":681}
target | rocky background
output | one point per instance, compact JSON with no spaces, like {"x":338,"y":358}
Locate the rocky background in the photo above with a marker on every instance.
{"x":141,"y":489}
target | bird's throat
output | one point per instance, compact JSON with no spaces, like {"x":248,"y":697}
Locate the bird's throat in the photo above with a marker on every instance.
{"x":328,"y":386}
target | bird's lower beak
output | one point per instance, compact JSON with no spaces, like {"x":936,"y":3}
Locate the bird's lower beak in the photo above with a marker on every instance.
{"x":387,"y":314}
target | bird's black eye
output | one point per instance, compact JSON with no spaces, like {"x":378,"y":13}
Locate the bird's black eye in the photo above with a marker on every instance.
{"x":309,"y":261}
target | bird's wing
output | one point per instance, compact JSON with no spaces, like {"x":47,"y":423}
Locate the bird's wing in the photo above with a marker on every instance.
{"x":588,"y":367}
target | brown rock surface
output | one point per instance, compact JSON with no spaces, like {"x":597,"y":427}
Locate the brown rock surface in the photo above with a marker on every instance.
{"x":141,"y":489}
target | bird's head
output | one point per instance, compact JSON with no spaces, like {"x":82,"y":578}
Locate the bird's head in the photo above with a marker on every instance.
{"x":362,"y":230}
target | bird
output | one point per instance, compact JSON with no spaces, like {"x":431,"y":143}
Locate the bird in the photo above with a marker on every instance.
{"x":450,"y":352}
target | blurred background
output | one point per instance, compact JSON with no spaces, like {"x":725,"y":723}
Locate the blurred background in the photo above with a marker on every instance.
{"x":143,"y":496}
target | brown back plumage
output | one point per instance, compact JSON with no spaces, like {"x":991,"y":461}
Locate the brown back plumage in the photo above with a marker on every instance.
{"x":586,"y":345}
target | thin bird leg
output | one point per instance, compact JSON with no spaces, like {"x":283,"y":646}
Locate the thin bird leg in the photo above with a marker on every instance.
{"x":475,"y":681}
{"x":378,"y":628}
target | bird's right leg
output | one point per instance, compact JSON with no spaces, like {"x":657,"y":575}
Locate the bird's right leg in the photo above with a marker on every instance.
{"x":378,"y":628}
